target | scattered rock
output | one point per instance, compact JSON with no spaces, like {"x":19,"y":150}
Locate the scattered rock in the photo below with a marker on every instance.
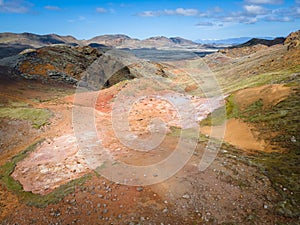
{"x":139,"y":189}
{"x":186,"y":196}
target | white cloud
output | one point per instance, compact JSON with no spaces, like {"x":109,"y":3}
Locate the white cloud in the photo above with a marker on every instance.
{"x":204,"y":24}
{"x":101,"y":10}
{"x":217,"y":9}
{"x":278,"y":19}
{"x":261,"y":2}
{"x":250,"y":20}
{"x":292,"y":12}
{"x":50,"y":7}
{"x":189,"y":12}
{"x":170,"y":12}
{"x":182,"y":12}
{"x":14,"y":6}
{"x":148,"y":14}
{"x":239,"y":17}
{"x":255,"y":9}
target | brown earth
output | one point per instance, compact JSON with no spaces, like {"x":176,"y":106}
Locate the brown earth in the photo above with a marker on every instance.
{"x":243,"y":51}
{"x":60,"y":155}
{"x":227,"y":191}
{"x":269,"y":94}
{"x":245,"y":135}
{"x":242,"y":135}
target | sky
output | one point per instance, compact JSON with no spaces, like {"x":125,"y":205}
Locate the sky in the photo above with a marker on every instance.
{"x":195,"y":19}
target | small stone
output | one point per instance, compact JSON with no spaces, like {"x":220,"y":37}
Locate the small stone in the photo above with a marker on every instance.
{"x":105,"y":211}
{"x":55,"y":213}
{"x":265,"y":206}
{"x":165,"y":210}
{"x":293,"y":139}
{"x":186,"y":196}
{"x":139,"y":189}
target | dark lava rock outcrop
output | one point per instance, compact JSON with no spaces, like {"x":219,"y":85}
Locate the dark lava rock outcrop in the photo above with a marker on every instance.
{"x":52,"y":63}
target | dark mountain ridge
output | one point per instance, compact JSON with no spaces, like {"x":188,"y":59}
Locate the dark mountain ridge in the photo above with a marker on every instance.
{"x":256,"y":41}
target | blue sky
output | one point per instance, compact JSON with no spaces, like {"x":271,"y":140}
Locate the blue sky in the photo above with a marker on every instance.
{"x":193,"y":20}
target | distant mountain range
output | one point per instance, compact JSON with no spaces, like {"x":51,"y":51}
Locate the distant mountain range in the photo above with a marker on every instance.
{"x":117,"y":41}
{"x":229,"y":41}
{"x":12,"y":43}
{"x":159,"y":42}
{"x":36,"y":40}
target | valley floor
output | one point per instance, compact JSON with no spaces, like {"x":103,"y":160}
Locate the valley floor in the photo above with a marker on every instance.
{"x":230,"y":191}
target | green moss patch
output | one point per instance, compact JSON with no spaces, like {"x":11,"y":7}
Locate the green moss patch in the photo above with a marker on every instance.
{"x":38,"y":117}
{"x":238,"y":82}
{"x":278,"y":124}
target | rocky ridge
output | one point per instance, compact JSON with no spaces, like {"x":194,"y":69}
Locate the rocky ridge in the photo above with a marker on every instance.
{"x":293,"y":40}
{"x":255,"y":45}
